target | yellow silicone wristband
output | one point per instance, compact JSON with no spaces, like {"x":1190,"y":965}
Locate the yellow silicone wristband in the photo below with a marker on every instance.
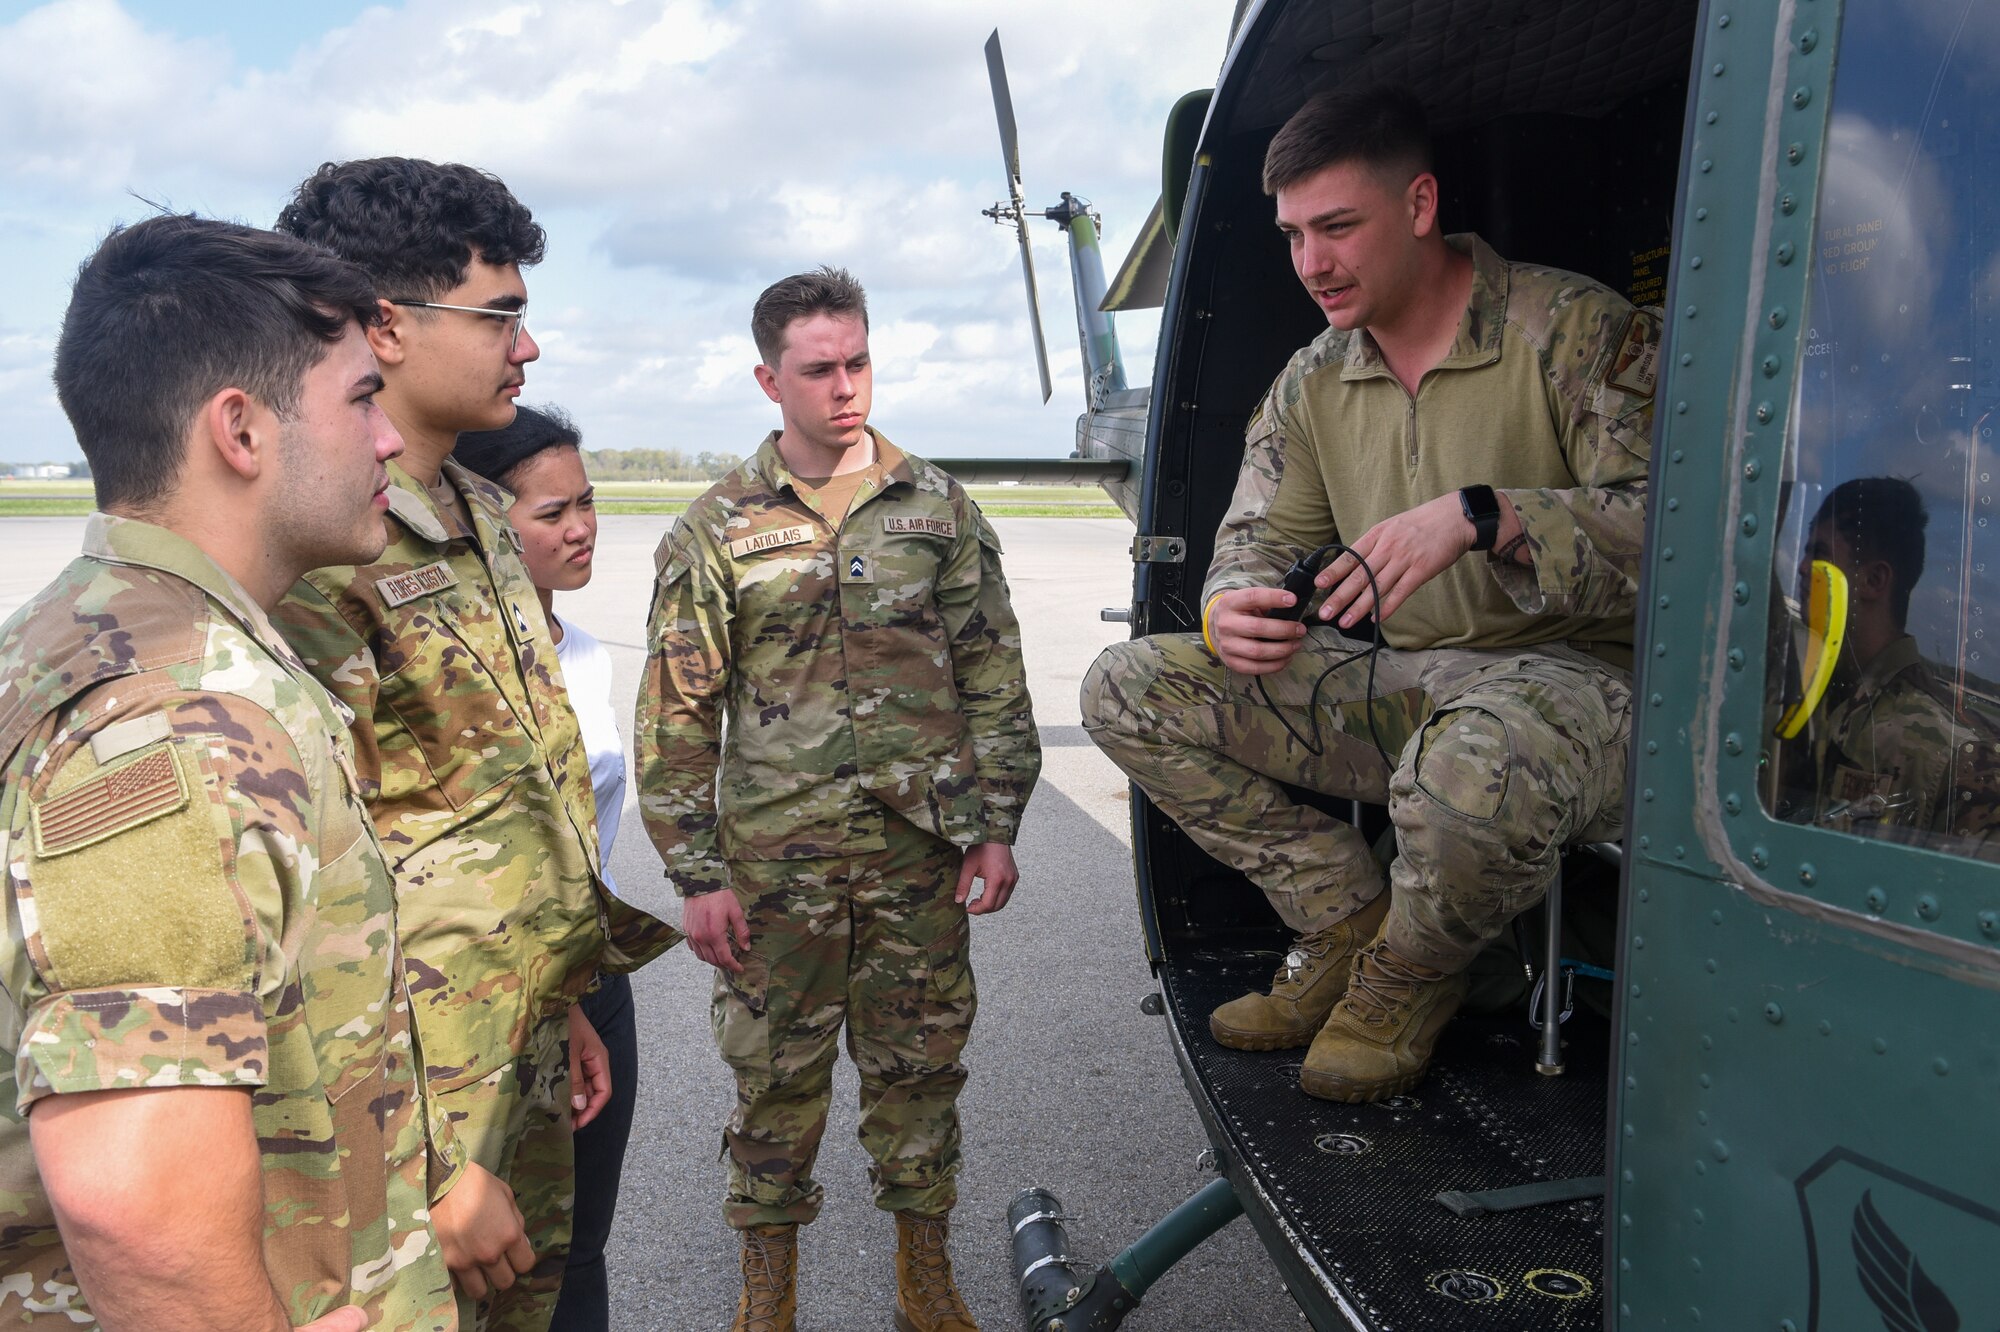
{"x":1207,"y":611}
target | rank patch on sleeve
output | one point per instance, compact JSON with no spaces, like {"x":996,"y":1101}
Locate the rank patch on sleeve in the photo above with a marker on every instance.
{"x":397,"y":589}
{"x":111,"y":802}
{"x":777,"y":536}
{"x":900,"y":524}
{"x":857,"y":568}
{"x":1636,"y":368}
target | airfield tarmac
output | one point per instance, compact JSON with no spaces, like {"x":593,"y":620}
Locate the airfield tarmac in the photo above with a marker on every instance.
{"x":1071,"y":1086}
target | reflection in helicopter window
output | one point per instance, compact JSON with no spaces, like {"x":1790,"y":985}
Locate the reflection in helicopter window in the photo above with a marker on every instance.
{"x":1879,"y":748}
{"x":1890,"y":474}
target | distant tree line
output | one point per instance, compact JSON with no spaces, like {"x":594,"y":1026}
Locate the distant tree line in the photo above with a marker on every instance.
{"x":657,"y":465}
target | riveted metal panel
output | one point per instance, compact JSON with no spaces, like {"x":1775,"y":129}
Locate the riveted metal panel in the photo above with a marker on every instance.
{"x":1807,"y":1071}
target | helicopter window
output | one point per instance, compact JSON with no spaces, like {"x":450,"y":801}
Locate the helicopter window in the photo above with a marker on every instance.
{"x":1884,"y":693}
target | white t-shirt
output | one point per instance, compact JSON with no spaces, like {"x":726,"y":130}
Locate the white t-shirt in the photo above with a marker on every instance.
{"x":586,"y":669}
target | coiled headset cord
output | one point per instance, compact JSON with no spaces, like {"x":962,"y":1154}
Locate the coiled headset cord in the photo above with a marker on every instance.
{"x":1299,"y":582}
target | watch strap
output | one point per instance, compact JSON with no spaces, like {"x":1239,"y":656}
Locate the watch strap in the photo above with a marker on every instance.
{"x":1482,"y":509}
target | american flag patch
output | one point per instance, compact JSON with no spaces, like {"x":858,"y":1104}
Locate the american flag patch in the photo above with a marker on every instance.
{"x":111,"y":802}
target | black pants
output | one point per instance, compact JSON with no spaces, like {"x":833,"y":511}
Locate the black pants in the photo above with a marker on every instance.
{"x":585,"y":1305}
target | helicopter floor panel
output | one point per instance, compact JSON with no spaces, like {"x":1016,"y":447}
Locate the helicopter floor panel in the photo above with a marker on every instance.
{"x":1356,"y":1186}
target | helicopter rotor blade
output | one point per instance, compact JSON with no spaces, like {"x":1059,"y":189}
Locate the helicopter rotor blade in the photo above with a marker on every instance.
{"x":1003,"y":110}
{"x":1010,"y":153}
{"x":1034,"y":309}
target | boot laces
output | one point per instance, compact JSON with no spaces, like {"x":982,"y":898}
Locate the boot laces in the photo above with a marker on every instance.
{"x":1384,"y":985}
{"x":1308,"y":949}
{"x":930,"y":1272}
{"x":767,"y":1264}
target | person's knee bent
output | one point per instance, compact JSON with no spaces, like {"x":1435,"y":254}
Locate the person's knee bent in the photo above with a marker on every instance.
{"x":1476,"y":807}
{"x":1120,"y":674}
{"x":1464,"y":763}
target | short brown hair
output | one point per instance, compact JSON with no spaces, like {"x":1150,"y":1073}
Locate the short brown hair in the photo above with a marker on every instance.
{"x":824,"y":291}
{"x":1384,"y":128}
{"x":172,"y":310}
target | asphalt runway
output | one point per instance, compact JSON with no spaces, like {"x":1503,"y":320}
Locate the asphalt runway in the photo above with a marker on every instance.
{"x":1072,"y":1087}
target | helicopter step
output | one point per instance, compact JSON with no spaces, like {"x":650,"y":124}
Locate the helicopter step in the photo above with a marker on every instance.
{"x":1354,"y":1190}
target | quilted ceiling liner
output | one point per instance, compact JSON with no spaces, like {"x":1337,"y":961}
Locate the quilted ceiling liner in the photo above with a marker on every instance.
{"x":1469,"y":60}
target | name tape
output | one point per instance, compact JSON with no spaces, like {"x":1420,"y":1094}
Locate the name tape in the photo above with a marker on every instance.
{"x":779,"y":536}
{"x":397,"y":589}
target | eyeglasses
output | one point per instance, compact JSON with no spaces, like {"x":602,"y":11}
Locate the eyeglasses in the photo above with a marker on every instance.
{"x":519,"y":316}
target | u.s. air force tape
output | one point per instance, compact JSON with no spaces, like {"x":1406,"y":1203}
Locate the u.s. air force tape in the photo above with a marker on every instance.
{"x":902,"y":524}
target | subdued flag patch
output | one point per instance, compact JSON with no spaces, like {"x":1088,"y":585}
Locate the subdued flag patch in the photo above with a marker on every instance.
{"x":113,"y":801}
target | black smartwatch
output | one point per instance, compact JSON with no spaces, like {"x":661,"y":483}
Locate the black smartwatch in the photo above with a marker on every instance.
{"x":1482,"y":510}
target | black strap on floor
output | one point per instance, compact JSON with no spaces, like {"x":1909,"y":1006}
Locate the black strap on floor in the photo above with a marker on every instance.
{"x":1522,"y":1195}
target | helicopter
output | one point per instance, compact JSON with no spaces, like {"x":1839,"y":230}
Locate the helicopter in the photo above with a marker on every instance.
{"x":1772,"y":1100}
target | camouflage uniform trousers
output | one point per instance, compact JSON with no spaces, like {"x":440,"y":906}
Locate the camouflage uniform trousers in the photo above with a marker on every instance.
{"x":515,"y":1121}
{"x":1497,"y":759}
{"x":874,"y":941}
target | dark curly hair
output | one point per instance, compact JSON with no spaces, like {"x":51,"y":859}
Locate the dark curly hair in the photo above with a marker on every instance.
{"x":171,"y":311}
{"x":415,"y":226}
{"x":499,"y":454}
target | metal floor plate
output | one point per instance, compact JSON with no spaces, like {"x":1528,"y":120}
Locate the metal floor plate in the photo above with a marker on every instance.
{"x":1358,"y":1184}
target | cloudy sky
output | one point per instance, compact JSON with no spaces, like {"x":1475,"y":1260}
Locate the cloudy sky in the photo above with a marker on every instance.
{"x":681,"y":153}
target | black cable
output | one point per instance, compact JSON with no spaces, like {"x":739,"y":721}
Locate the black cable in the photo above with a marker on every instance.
{"x":1299,"y":582}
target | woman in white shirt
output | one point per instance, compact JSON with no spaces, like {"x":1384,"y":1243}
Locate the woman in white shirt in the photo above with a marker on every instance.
{"x":539,"y":459}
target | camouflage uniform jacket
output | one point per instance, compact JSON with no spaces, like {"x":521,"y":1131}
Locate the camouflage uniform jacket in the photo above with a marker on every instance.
{"x":1545,"y":395}
{"x":868,"y":669}
{"x":475,"y":772}
{"x":196,"y":898}
{"x":1884,"y":749}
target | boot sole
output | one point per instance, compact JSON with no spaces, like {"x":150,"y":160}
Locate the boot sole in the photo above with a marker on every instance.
{"x":1260,"y":1040}
{"x":1328,"y":1087}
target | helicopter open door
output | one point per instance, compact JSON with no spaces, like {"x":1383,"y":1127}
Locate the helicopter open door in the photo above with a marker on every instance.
{"x":1559,"y":128}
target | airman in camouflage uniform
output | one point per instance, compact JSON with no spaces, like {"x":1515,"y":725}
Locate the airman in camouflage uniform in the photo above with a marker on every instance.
{"x":834,"y":710}
{"x":470,"y":756}
{"x":474,"y":771}
{"x":196,"y":899}
{"x":1496,"y":720}
{"x":1884,"y":750}
{"x":153,"y":717}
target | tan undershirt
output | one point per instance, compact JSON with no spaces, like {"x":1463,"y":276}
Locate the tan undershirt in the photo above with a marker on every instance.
{"x":834,"y":493}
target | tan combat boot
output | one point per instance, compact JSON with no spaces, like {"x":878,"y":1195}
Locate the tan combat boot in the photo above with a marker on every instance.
{"x":1379,"y":1040}
{"x":770,"y":1300}
{"x":1309,"y":982}
{"x":927,"y":1299}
